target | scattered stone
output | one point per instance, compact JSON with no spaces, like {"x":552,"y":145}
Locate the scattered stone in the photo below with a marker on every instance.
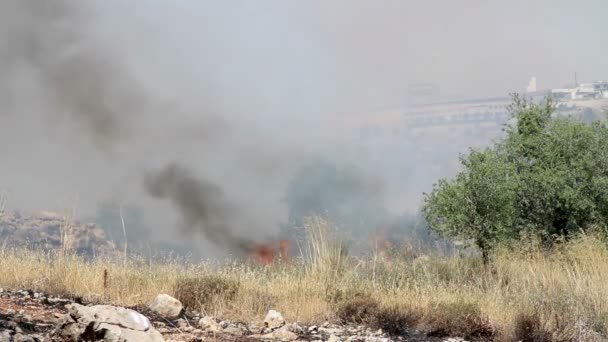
{"x":296,"y":328}
{"x":5,"y":336}
{"x":19,"y":337}
{"x":35,"y":320}
{"x":166,"y":306}
{"x":333,"y":338}
{"x":332,"y":331}
{"x":105,"y":323}
{"x":375,"y":339}
{"x":281,"y":335}
{"x":233,"y":330}
{"x":254,"y":329}
{"x":274,"y":320}
{"x":208,"y":323}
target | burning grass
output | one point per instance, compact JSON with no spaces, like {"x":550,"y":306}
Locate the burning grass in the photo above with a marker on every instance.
{"x":528,"y":296}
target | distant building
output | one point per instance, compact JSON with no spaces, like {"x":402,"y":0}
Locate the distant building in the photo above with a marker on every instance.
{"x":419,"y":93}
{"x":531,"y":85}
{"x":583,"y":91}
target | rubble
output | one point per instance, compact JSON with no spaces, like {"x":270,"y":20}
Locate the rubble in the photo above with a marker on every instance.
{"x":36,"y":317}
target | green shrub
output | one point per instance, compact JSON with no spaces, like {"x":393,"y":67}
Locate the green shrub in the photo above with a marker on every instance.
{"x":548,"y":177}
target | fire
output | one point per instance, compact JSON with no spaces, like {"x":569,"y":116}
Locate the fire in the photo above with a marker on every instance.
{"x":267,"y":253}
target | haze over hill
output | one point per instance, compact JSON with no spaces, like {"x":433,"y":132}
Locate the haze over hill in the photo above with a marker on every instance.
{"x":98,"y":97}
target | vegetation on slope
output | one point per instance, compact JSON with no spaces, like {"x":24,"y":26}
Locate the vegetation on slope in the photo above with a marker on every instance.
{"x":529,"y":294}
{"x":548,"y":177}
{"x":546,"y":181}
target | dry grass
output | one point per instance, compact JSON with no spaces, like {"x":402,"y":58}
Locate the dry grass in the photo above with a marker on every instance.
{"x":526,"y":295}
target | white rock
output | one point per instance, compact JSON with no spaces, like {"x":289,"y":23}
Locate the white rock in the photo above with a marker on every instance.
{"x":181,"y":323}
{"x":274,"y":320}
{"x":208,"y":323}
{"x":332,"y":331}
{"x":166,"y":306}
{"x":281,"y":335}
{"x":234,"y":330}
{"x":333,"y":338}
{"x":111,"y":322}
{"x":376,"y":339}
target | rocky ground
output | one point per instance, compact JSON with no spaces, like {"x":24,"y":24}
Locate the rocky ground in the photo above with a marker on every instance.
{"x":27,"y":316}
{"x":50,"y":230}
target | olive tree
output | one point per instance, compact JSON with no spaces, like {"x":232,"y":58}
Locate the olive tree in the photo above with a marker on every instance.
{"x":547,"y":176}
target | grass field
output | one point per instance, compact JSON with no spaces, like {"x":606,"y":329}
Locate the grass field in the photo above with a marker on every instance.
{"x":526,"y":294}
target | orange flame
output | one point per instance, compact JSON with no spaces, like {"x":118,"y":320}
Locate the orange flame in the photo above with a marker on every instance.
{"x":267,"y":253}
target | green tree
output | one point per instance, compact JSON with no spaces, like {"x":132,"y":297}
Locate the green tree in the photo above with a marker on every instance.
{"x":548,"y":177}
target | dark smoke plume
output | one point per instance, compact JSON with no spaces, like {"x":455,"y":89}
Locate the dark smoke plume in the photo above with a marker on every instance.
{"x":79,"y":79}
{"x":82,"y":83}
{"x":202,"y":205}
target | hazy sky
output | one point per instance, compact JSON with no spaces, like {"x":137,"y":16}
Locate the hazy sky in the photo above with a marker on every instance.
{"x":349,"y":55}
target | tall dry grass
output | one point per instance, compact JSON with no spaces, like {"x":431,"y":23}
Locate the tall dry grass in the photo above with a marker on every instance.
{"x":527,"y":295}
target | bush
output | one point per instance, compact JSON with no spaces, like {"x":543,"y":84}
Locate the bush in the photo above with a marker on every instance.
{"x":395,"y":320}
{"x":529,"y":328}
{"x":547,"y":177}
{"x":201,"y":292}
{"x":364,"y":309}
{"x":459,"y":318}
{"x":358,"y":309}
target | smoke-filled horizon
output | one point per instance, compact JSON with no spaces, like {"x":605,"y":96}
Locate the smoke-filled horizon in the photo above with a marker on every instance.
{"x":202,"y":112}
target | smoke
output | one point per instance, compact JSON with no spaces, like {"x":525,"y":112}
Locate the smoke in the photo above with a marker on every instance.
{"x":93,"y":105}
{"x":201,"y":204}
{"x":213,"y":109}
{"x":80,"y":84}
{"x":79,"y":79}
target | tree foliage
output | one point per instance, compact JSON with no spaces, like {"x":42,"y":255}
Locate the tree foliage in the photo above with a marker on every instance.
{"x":548,"y":176}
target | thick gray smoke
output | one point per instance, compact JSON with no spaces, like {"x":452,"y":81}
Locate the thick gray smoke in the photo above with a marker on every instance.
{"x":202,"y":205}
{"x":214,"y":108}
{"x":80,"y":81}
{"x":83,"y":84}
